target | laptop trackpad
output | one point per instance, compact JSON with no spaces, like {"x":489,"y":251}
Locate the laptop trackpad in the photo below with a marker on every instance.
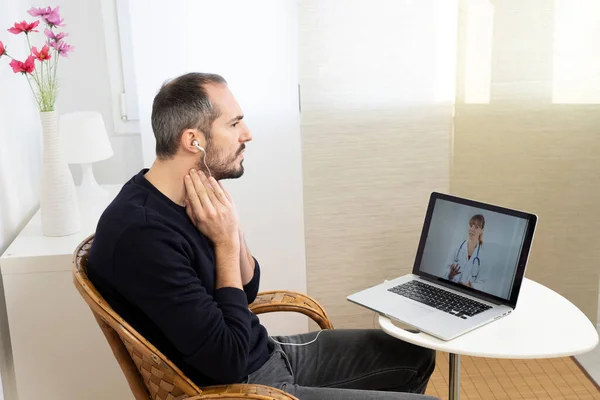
{"x":409,"y":311}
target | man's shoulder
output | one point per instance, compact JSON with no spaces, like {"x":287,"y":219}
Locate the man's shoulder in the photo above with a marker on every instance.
{"x":132,"y":214}
{"x":126,"y":211}
{"x":134,"y":206}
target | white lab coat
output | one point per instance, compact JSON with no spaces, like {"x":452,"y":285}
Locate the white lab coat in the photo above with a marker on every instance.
{"x":472,"y":270}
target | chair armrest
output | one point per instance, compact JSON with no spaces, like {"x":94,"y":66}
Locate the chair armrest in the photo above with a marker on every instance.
{"x":282,"y":300}
{"x":242,"y":391}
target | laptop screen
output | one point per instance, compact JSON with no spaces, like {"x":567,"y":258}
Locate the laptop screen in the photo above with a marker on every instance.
{"x":475,"y":247}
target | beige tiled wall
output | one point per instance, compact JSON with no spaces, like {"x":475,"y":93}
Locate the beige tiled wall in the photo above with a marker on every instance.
{"x":525,"y":148}
{"x":367,"y":181}
{"x":543,"y":159}
{"x":366,"y":193}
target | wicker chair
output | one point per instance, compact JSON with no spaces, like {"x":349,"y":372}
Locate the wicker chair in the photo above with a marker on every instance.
{"x":153,"y":376}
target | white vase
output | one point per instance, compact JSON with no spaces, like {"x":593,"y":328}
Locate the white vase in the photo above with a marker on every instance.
{"x":58,"y":199}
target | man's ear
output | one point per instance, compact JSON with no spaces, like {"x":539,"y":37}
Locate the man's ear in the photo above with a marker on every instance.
{"x":189,"y":136}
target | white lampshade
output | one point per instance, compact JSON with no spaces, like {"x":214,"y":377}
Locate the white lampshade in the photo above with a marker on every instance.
{"x":84,"y":141}
{"x":84,"y":138}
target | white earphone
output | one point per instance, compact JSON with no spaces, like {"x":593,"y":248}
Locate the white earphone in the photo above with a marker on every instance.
{"x":196,"y":145}
{"x":298,"y":344}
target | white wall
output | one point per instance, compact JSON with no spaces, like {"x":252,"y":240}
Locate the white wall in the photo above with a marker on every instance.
{"x":255,"y":49}
{"x":20,"y":136}
{"x":20,"y":157}
{"x":84,"y":85}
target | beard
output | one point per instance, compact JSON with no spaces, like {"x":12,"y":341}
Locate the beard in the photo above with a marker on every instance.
{"x":221,"y":166}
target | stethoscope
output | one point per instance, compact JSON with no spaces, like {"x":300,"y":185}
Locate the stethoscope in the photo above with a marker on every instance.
{"x":457,"y":259}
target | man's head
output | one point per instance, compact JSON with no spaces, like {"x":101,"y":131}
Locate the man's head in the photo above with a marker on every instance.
{"x":200,"y":107}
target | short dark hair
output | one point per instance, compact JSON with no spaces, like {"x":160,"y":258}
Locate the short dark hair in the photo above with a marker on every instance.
{"x":182,"y":103}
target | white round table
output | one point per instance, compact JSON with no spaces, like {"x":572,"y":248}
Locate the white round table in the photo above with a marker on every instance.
{"x":543,"y":325}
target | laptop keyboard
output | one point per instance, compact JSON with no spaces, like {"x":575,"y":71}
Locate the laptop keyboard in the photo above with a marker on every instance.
{"x":443,"y":300}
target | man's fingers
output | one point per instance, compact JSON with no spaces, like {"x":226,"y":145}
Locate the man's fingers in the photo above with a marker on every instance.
{"x":200,"y":189}
{"x":208,"y":186}
{"x":189,"y":211}
{"x":192,"y":197}
{"x":220,"y":192}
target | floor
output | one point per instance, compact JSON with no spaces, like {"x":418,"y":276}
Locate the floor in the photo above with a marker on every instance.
{"x":502,"y":379}
{"x":591,"y":362}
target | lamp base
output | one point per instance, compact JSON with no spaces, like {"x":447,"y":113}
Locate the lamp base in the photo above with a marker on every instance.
{"x":89,"y":187}
{"x":92,"y":197}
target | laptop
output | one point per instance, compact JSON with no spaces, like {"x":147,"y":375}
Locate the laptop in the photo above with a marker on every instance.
{"x":468,"y":269}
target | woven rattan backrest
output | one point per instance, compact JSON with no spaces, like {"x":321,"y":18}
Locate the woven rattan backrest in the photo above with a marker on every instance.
{"x":149,"y":373}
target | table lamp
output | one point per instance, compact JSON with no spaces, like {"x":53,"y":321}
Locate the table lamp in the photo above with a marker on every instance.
{"x":84,"y":141}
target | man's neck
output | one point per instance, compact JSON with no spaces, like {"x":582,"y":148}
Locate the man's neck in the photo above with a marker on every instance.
{"x":167,"y":177}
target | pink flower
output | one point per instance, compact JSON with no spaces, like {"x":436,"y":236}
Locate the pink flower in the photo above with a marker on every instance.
{"x":62,"y":48}
{"x":43,"y":54}
{"x":40,"y":12}
{"x":54,"y":20}
{"x":26,"y":67}
{"x":48,"y":15}
{"x":24,"y":27}
{"x":57,"y":37}
{"x":2,"y":49}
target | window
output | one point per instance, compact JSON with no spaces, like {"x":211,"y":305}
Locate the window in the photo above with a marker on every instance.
{"x":123,"y":91}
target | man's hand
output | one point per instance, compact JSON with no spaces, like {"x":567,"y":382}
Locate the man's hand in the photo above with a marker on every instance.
{"x":454,"y":270}
{"x":212,"y":212}
{"x":246,"y":260}
{"x":211,"y":209}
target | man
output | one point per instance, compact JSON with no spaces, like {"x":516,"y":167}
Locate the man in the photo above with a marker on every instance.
{"x":170,"y":257}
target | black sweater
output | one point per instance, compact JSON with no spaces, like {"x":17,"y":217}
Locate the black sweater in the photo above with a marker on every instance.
{"x":158,"y":272}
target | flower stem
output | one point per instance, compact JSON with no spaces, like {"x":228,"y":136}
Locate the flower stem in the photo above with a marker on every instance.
{"x":54,"y":85}
{"x":34,"y":94}
{"x":42,"y":75}
{"x":29,"y":44}
{"x":36,"y":79}
{"x":51,"y":82}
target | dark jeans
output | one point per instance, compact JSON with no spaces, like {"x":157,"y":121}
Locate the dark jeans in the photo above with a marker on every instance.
{"x":347,"y":364}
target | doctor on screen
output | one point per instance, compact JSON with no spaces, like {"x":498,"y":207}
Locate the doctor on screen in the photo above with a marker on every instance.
{"x":467,"y":261}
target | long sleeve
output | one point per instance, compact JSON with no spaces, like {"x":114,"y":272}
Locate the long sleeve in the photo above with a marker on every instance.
{"x":449,"y":261}
{"x":251,"y":288}
{"x":212,"y":332}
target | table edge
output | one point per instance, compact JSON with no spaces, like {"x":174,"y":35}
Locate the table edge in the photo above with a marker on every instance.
{"x":383,"y":321}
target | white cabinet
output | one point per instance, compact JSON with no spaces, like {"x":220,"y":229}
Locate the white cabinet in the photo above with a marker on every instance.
{"x":53,"y":348}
